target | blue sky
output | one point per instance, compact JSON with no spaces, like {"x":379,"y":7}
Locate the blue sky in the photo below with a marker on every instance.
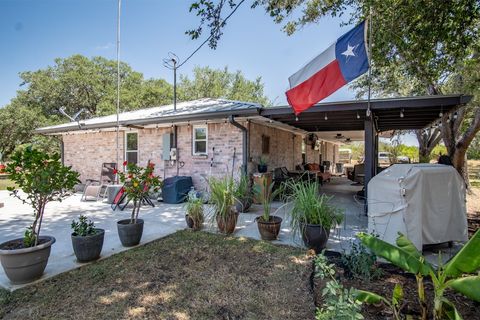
{"x":35,"y":32}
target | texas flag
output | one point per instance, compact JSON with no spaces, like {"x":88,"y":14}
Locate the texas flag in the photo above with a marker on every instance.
{"x":342,"y":62}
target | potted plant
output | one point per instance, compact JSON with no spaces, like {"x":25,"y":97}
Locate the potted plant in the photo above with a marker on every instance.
{"x":262,"y":165}
{"x":243,"y":194}
{"x":223,"y":200}
{"x":87,"y":241}
{"x":43,"y":179}
{"x":194,"y":207}
{"x":312,"y":214}
{"x":138,"y":183}
{"x":268,"y":225}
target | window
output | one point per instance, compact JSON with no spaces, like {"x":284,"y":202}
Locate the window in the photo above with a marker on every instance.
{"x":131,"y":150}
{"x":199,"y":140}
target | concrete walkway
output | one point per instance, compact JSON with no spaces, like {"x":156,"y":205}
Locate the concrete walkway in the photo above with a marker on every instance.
{"x":160,"y":221}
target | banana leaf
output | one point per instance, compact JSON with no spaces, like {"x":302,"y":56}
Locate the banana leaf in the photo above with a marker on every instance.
{"x":407,"y":257}
{"x":368,"y":297}
{"x":468,"y":286}
{"x":467,"y":260}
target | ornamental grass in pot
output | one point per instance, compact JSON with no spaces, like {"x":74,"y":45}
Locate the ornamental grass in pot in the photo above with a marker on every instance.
{"x":87,"y":241}
{"x":222,"y":197}
{"x":138,"y":183}
{"x":243,"y":194}
{"x":194,"y":215}
{"x":268,"y":225}
{"x":42,"y":179}
{"x":312,"y":214}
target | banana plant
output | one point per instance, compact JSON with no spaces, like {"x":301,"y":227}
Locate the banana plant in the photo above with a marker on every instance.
{"x":451,"y":275}
{"x":395,"y":303}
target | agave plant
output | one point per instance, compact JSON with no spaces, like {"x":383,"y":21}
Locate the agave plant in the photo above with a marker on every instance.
{"x":448,"y":276}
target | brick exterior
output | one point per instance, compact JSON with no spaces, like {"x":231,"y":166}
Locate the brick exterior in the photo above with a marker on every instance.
{"x":86,"y":152}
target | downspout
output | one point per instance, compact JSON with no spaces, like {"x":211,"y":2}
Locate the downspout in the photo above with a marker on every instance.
{"x":246,"y":151}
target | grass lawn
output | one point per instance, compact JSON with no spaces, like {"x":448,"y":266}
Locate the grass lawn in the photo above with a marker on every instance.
{"x":4,"y":183}
{"x":188,"y":275}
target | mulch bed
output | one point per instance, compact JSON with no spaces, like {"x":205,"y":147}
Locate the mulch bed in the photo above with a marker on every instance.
{"x":384,"y":286}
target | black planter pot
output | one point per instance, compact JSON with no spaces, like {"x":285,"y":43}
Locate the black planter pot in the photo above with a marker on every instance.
{"x":262,"y":168}
{"x":88,"y":248}
{"x":26,"y":264}
{"x":130,"y":234}
{"x":269,"y":230}
{"x":314,"y":236}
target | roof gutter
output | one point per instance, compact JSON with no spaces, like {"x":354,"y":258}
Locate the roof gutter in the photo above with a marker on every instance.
{"x":245,"y":152}
{"x":153,"y":120}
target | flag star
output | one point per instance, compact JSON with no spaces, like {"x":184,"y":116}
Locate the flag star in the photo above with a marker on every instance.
{"x":349,"y":52}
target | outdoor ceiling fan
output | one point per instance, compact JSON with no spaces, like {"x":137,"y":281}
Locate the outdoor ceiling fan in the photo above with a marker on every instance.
{"x":339,"y":136}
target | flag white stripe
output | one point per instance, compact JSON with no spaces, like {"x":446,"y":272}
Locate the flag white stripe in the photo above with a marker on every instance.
{"x":312,"y":67}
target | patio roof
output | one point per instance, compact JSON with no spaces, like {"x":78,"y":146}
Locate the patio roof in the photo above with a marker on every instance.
{"x":418,"y":112}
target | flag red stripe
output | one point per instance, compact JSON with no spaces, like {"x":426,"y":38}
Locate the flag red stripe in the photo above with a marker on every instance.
{"x":319,"y":86}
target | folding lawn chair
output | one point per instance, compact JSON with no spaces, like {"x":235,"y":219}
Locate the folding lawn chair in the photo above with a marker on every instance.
{"x":94,"y":187}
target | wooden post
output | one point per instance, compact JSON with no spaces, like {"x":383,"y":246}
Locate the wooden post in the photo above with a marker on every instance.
{"x":369,"y":152}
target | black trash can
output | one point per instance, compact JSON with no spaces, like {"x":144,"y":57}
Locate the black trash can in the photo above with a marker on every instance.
{"x":175,"y":189}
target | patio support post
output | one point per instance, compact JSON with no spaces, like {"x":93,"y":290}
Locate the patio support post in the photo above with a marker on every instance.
{"x":369,"y":152}
{"x":245,"y":151}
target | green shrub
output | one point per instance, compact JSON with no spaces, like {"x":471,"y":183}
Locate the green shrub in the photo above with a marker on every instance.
{"x":360,"y":263}
{"x":83,"y":227}
{"x":339,"y":303}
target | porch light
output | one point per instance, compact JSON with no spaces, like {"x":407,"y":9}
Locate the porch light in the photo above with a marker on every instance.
{"x":401,"y":113}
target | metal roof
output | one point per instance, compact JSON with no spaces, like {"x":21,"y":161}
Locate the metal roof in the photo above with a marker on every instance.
{"x":202,"y":109}
{"x":418,"y":112}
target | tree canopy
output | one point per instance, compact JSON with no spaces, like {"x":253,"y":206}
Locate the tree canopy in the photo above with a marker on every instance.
{"x":78,"y":82}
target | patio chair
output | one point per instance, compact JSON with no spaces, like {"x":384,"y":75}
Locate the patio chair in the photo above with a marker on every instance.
{"x":119,"y":200}
{"x":94,"y":187}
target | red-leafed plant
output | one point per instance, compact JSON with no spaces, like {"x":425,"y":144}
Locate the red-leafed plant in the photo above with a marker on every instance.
{"x":138,"y":183}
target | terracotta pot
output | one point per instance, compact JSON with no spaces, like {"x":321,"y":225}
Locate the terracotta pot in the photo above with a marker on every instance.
{"x":269,"y":230}
{"x":228,"y":224}
{"x":26,"y":264}
{"x":191,"y":223}
{"x":130,"y":234}
{"x":314,"y":236}
{"x":88,"y":248}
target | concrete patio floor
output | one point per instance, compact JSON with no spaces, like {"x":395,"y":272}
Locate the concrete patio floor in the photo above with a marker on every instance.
{"x":160,"y":221}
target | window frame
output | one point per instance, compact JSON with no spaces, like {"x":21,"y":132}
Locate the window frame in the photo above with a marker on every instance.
{"x":194,"y":140}
{"x":126,"y":145}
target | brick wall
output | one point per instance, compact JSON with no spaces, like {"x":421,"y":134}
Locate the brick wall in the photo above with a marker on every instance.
{"x":86,"y":152}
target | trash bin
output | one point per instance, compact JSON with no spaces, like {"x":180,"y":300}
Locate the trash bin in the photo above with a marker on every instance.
{"x":339,"y":167}
{"x":175,"y":189}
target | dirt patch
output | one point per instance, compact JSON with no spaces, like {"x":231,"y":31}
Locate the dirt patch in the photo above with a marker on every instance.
{"x":188,"y":275}
{"x":384,"y":286}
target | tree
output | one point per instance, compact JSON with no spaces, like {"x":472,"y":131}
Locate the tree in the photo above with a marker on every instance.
{"x":78,"y":82}
{"x":418,"y":46}
{"x":221,"y":83}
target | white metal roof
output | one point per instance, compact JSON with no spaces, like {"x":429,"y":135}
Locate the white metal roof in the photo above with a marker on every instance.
{"x":197,"y":109}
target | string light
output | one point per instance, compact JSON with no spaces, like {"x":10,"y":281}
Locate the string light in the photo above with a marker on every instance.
{"x":455,"y":116}
{"x":368,"y":112}
{"x":358,"y":116}
{"x":326,"y":118}
{"x":296,"y":118}
{"x":401,"y":114}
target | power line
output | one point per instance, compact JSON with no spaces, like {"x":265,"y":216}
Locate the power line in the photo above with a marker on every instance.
{"x":211,"y":34}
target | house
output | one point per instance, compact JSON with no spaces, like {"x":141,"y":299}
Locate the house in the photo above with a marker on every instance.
{"x":216,"y":136}
{"x":213,"y":137}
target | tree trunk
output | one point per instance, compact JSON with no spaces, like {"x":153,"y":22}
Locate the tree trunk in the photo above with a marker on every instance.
{"x":458,"y":143}
{"x":427,"y":140}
